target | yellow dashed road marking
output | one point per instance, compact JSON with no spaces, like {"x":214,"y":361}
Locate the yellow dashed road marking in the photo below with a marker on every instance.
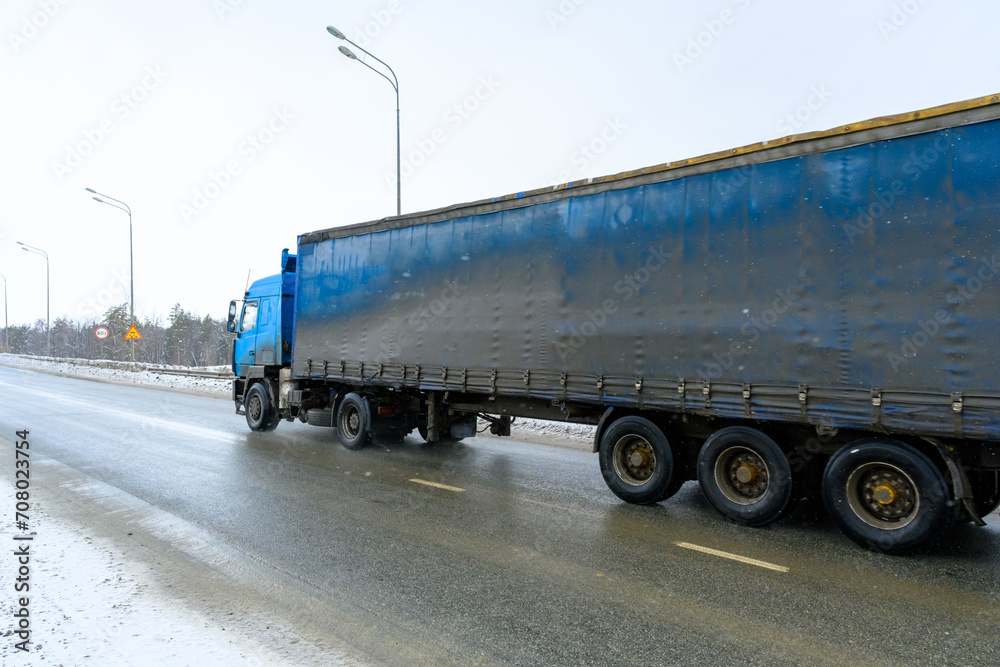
{"x":741,"y":559}
{"x":438,"y":486}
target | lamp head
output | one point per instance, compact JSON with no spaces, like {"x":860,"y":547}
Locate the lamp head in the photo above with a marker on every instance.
{"x":91,"y":190}
{"x":336,"y":33}
{"x":347,"y":52}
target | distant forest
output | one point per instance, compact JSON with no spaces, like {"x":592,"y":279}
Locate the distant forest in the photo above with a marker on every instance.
{"x":185,"y":340}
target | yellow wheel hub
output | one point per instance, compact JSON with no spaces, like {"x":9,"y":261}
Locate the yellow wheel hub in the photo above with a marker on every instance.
{"x":884,"y":494}
{"x":746,"y":473}
{"x":639,"y":457}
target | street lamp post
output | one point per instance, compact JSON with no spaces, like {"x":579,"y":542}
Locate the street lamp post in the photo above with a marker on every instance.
{"x":395,"y":86}
{"x":48,"y":328}
{"x":131,"y":265}
{"x":6,"y":337}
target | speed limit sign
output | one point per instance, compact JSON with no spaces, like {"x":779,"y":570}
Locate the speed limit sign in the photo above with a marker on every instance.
{"x":101,"y":333}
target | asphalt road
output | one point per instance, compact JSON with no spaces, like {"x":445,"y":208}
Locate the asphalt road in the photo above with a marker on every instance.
{"x":533,"y":562}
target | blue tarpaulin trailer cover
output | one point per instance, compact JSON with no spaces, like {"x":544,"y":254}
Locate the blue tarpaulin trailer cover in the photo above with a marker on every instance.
{"x":848,"y":278}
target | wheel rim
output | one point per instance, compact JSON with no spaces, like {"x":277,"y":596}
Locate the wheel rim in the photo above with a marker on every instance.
{"x":742,"y":475}
{"x":634,"y":460}
{"x":350,"y":422}
{"x":254,"y":408}
{"x":883,"y":496}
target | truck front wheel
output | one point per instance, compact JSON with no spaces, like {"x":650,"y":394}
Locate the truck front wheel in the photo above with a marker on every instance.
{"x":887,"y":497}
{"x":261,"y":415}
{"x":745,"y":476}
{"x":354,"y":422}
{"x":636,"y":461}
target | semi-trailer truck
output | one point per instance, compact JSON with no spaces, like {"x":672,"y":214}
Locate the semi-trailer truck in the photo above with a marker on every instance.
{"x":809,"y":317}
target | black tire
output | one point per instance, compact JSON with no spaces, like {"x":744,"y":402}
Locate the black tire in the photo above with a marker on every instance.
{"x":745,"y":476}
{"x":637,"y":463}
{"x":354,"y":422}
{"x":985,"y":491}
{"x":260,"y":412}
{"x":887,"y":496}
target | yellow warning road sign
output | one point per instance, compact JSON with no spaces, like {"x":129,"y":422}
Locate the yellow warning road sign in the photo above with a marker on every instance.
{"x":133,"y":334}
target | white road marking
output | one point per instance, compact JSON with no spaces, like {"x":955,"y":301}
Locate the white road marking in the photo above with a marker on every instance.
{"x":741,"y":559}
{"x":438,"y":486}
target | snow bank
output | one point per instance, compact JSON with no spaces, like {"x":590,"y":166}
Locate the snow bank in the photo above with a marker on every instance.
{"x":126,"y":372}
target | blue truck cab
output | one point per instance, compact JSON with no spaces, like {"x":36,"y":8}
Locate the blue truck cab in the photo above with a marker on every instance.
{"x":264,"y":333}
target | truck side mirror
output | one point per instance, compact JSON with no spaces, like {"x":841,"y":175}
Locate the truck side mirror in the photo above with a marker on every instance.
{"x":231,"y":324}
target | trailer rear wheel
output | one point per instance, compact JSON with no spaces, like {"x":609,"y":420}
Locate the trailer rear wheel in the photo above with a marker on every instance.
{"x":745,"y":476}
{"x":354,"y":422}
{"x":260,"y":412}
{"x":636,"y":461}
{"x":887,"y":496}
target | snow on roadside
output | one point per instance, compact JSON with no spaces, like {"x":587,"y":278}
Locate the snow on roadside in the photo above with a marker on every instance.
{"x":550,"y":433}
{"x":127,"y":372}
{"x":91,"y":606}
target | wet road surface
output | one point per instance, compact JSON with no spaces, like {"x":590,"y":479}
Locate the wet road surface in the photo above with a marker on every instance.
{"x":520,"y":555}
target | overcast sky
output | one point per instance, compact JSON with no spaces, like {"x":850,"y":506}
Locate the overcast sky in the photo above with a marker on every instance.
{"x":232,"y":126}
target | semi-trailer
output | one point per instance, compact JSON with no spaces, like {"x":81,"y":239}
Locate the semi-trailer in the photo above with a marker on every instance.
{"x":809,"y":317}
